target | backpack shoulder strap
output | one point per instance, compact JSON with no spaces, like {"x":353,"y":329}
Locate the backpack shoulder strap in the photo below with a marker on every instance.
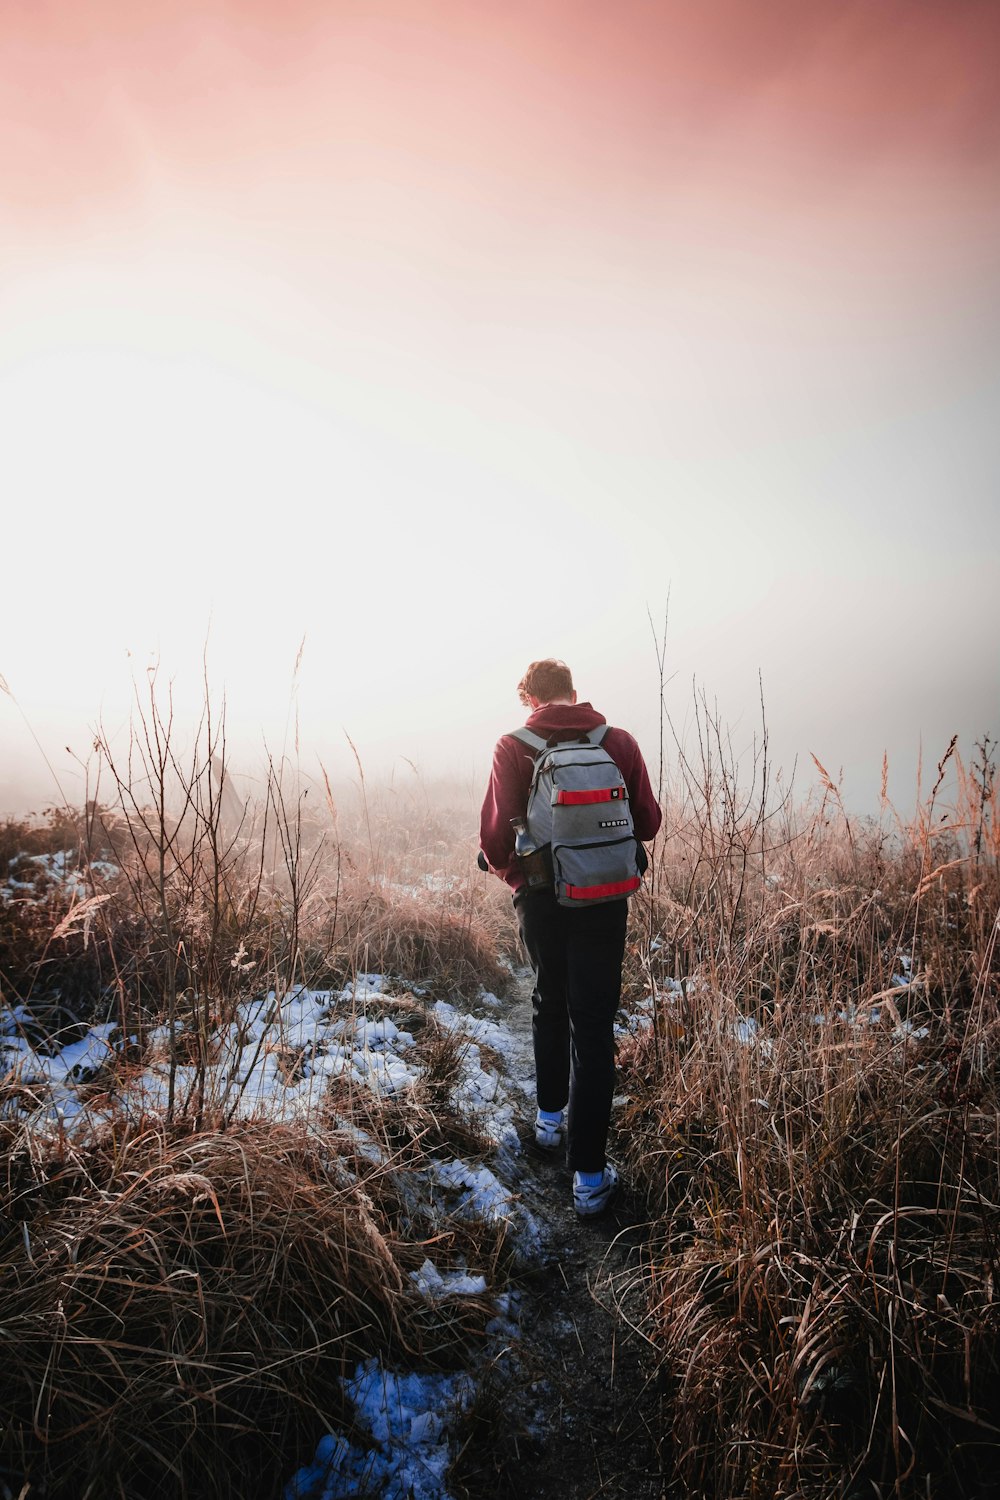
{"x":538,"y":744}
{"x":528,"y":737}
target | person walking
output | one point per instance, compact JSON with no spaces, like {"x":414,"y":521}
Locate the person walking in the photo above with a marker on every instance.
{"x":575,"y":950}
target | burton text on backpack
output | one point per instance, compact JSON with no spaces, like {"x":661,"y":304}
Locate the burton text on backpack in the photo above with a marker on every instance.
{"x":578,"y":807}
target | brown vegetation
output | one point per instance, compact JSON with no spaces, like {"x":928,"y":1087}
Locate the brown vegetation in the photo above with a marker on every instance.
{"x":813,"y":1118}
{"x":183,"y":1302}
{"x":184,"y":1293}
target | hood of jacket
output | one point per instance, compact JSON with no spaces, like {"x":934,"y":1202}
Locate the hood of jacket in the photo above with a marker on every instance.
{"x":564,"y":720}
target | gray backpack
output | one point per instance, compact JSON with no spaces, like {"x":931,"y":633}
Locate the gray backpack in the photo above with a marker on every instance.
{"x":578,"y":809}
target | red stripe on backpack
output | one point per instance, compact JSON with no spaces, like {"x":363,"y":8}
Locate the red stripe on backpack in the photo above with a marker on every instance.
{"x":603,"y":892}
{"x":584,"y":798}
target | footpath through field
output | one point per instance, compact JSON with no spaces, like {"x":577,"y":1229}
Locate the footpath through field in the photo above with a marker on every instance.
{"x":582,"y":1417}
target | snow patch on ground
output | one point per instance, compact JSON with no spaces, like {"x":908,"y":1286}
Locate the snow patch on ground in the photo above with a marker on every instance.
{"x":275,"y":1058}
{"x":429,"y":1280}
{"x":409,"y":1417}
{"x":36,"y":873}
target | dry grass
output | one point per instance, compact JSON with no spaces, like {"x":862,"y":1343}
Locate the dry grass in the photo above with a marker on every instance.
{"x":412,"y":901}
{"x":183,"y":1303}
{"x":185,"y":903}
{"x":184,"y":1295}
{"x":827,"y":1195}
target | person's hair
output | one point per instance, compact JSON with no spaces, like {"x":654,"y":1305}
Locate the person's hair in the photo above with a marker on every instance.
{"x":545,"y":680}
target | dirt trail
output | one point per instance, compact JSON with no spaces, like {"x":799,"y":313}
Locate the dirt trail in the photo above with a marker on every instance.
{"x":579,"y":1416}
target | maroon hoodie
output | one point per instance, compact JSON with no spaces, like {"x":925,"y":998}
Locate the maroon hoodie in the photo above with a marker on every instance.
{"x":507,"y":794}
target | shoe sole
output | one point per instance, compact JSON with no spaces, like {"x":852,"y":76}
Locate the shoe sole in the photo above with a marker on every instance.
{"x":584,"y":1214}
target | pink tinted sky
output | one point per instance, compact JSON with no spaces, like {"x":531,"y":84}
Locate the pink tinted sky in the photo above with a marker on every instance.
{"x":395,"y":326}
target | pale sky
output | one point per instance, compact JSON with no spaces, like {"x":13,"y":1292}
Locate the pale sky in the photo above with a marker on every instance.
{"x":450,"y":335}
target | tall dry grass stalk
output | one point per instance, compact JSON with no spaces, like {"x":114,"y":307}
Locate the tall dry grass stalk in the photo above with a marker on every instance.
{"x":814,"y":1119}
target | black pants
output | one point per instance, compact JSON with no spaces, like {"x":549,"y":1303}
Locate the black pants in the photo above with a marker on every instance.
{"x":576,"y":954}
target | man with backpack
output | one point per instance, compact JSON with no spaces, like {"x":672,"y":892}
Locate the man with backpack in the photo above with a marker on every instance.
{"x":567,"y":810}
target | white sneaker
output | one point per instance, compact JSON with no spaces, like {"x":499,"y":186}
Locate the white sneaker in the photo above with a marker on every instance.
{"x":590,"y":1201}
{"x":550,"y":1134}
